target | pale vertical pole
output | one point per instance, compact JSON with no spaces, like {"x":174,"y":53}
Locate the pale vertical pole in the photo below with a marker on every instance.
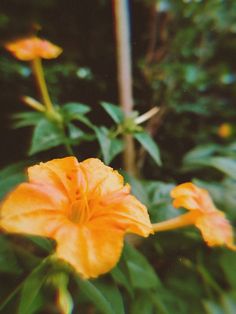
{"x":124,"y":74}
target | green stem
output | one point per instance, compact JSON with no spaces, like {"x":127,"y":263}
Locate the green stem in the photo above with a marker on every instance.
{"x":207,"y":278}
{"x":39,"y":76}
{"x":66,"y":142}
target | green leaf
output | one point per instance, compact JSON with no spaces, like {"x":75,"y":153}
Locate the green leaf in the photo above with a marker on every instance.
{"x":8,"y":261}
{"x":112,"y":294}
{"x":46,"y":135}
{"x":148,"y":143}
{"x":95,"y":296}
{"x":72,"y":110}
{"x":137,"y":187}
{"x":228,"y":259}
{"x":142,"y":275}
{"x":224,"y":164}
{"x":201,"y":151}
{"x":120,"y":277}
{"x":74,"y":132}
{"x":212,"y":307}
{"x":23,"y":119}
{"x":229,"y":303}
{"x":142,"y":305}
{"x":10,"y":177}
{"x":77,"y":136}
{"x":85,"y":121}
{"x":43,"y":243}
{"x":110,"y":147}
{"x":114,"y":112}
{"x":32,"y":286}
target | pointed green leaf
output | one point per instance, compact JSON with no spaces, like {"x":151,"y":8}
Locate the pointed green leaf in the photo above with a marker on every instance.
{"x":112,"y":294}
{"x":224,"y":164}
{"x":200,"y":152}
{"x":8,"y":260}
{"x":28,"y":118}
{"x":32,"y":286}
{"x":142,"y":305}
{"x":120,"y":277}
{"x":142,"y":275}
{"x":114,"y":112}
{"x":110,"y":147}
{"x":95,"y":296}
{"x":46,"y":135}
{"x":10,"y":176}
{"x":72,"y":110}
{"x":148,"y":143}
{"x":226,"y":259}
{"x":74,"y":132}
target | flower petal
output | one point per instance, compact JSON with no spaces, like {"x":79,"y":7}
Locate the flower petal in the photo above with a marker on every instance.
{"x":100,"y":176}
{"x":27,"y":49}
{"x":60,"y":173}
{"x":126,"y":212}
{"x":31,"y":209}
{"x":186,"y":189}
{"x":216,"y":229}
{"x":191,"y":197}
{"x":92,"y":250}
{"x":187,"y":202}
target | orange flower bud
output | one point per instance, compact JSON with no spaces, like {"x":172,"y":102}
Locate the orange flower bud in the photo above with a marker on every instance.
{"x":224,"y":130}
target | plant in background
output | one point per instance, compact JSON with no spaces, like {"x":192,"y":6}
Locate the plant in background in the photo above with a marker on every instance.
{"x":53,"y":125}
{"x":67,"y":224}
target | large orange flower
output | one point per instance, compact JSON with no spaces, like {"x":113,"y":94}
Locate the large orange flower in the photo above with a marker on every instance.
{"x":84,"y":206}
{"x":215,"y":228}
{"x":30,"y":48}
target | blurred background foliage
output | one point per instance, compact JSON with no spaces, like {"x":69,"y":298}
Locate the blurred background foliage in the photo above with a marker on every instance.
{"x":183,"y":62}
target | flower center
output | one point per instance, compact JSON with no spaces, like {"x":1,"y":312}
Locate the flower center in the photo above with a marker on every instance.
{"x":79,"y":212}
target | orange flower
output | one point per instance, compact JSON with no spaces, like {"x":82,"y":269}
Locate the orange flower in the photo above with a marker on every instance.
{"x":30,"y":48}
{"x":225,"y":130}
{"x":84,"y":206}
{"x":215,"y":228}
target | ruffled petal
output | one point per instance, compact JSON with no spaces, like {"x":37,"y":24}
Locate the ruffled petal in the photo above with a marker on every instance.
{"x":216,"y":229}
{"x":31,"y":209}
{"x":100,"y":178}
{"x":27,"y":49}
{"x":191,"y":197}
{"x":92,"y":250}
{"x":187,"y":202}
{"x":186,"y":189}
{"x":60,"y":173}
{"x":47,"y":50}
{"x":126,"y":211}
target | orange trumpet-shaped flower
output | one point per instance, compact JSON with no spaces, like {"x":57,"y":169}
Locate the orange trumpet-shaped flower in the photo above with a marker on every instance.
{"x":30,"y":48}
{"x":215,"y":228}
{"x":85,"y":207}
